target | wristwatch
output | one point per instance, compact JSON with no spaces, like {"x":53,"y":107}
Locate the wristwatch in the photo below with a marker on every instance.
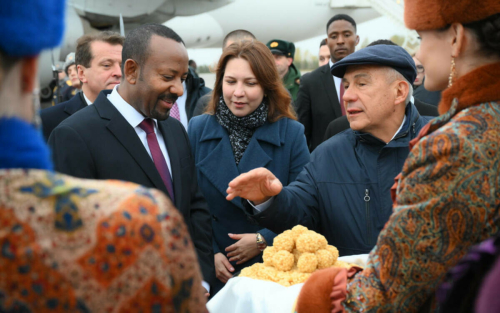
{"x":261,"y":242}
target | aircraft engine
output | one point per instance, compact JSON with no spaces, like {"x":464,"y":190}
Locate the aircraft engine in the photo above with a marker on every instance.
{"x":208,"y":32}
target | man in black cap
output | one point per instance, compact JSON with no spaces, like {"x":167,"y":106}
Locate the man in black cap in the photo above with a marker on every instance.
{"x":344,"y":192}
{"x":341,"y":123}
{"x":284,"y":52}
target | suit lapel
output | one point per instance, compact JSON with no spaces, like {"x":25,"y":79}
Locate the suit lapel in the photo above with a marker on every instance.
{"x":75,"y":104}
{"x":173,"y":153}
{"x":219,"y":165}
{"x":127,"y":136}
{"x":331,"y":90}
{"x":255,"y":156}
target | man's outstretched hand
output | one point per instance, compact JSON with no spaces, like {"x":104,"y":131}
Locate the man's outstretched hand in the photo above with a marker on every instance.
{"x":258,"y":186}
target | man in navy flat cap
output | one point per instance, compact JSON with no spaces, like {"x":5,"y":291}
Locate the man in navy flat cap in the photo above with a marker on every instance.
{"x":344,"y":192}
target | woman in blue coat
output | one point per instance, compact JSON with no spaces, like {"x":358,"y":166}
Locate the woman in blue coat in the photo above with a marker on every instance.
{"x":250,"y":124}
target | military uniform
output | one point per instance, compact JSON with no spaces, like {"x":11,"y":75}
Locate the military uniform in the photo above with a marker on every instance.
{"x":292,"y":81}
{"x":67,"y":91}
{"x":292,"y":78}
{"x":63,"y":86}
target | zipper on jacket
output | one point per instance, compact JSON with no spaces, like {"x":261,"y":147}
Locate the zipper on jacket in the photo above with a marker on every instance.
{"x":368,"y":219}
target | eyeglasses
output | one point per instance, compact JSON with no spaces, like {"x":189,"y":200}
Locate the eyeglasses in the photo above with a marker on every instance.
{"x":420,"y":69}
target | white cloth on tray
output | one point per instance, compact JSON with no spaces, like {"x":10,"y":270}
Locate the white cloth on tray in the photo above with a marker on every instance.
{"x":247,"y":295}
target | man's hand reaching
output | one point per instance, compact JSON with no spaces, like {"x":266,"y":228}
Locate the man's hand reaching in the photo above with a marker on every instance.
{"x":258,"y":186}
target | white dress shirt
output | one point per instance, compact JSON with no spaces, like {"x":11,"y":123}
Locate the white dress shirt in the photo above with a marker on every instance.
{"x":86,"y":99}
{"x":336,"y":80}
{"x":181,"y":103}
{"x":134,"y":118}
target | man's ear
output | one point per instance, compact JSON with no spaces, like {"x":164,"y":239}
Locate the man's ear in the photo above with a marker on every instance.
{"x":290,"y":61}
{"x":81,"y":73}
{"x":402,"y":90}
{"x":131,"y":71}
{"x":357,"y":40}
{"x":29,"y":70}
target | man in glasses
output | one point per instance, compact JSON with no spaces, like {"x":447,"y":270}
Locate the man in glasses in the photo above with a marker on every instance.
{"x":420,"y":73}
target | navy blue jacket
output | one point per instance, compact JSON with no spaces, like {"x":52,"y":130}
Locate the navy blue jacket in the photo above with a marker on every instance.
{"x":344,"y":192}
{"x":280,"y":147}
{"x":53,"y":116}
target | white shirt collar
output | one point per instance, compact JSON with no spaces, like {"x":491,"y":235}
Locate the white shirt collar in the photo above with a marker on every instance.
{"x":400,"y":127}
{"x":86,"y":99}
{"x":133,"y":117}
{"x":330,"y":63}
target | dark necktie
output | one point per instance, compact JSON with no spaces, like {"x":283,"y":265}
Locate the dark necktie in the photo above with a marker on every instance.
{"x":161,"y":165}
{"x":342,"y":108}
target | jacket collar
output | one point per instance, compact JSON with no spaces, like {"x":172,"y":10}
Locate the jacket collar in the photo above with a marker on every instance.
{"x":331,"y":89}
{"x":105,"y":111}
{"x":269,"y":132}
{"x":326,"y":69}
{"x":402,"y":137}
{"x":75,"y":104}
{"x":479,"y":86}
{"x":255,"y":155}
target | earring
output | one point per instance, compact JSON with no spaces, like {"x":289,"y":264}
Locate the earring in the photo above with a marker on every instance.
{"x":36,"y":121}
{"x":452,"y":72}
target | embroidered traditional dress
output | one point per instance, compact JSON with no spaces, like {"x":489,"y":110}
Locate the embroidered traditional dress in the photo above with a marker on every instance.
{"x":447,"y":200}
{"x":74,"y":245}
{"x":81,"y":245}
{"x":69,"y":244}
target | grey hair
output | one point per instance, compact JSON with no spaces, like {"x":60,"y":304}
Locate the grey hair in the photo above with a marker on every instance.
{"x":392,"y":75}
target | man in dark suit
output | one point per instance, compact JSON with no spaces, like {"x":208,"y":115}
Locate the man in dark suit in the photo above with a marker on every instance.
{"x":98,"y":59}
{"x":319,"y":97}
{"x":127,"y":133}
{"x":342,"y":123}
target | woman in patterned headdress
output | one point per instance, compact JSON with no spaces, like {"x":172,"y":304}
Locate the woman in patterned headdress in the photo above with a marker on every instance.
{"x":448,"y":194}
{"x":250,"y":124}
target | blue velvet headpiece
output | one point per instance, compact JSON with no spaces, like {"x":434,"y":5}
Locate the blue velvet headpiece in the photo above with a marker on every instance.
{"x":30,"y":26}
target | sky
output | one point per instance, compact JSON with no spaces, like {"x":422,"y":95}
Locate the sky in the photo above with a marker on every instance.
{"x":379,"y":28}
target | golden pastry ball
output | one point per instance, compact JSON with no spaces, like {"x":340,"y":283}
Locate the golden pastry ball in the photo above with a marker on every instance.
{"x":311,"y":242}
{"x":296,"y":254}
{"x":283,"y":260}
{"x":325,"y":258}
{"x":284,"y":241}
{"x":297,"y":231}
{"x":334,"y":251}
{"x":307,"y":263}
{"x":268,"y":254}
{"x":268,"y":273}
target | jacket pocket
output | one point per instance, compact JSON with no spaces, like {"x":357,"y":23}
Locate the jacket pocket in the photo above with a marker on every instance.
{"x":368,"y":237}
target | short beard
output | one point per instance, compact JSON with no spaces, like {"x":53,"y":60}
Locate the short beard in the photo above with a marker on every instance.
{"x":154,"y":113}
